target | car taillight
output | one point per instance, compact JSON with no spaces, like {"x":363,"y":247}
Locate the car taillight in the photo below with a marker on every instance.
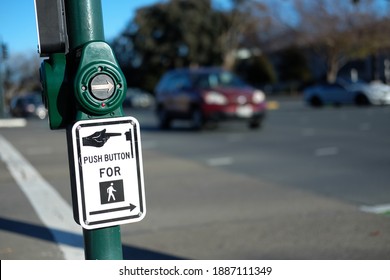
{"x":215,"y":98}
{"x":258,"y":97}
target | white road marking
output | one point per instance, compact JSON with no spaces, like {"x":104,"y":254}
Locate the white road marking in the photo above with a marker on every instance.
{"x":221,"y":161}
{"x":376,"y":209}
{"x":326,"y":151}
{"x":51,"y":208}
{"x":13,"y":122}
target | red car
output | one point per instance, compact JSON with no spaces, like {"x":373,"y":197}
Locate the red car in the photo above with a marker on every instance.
{"x":207,"y":95}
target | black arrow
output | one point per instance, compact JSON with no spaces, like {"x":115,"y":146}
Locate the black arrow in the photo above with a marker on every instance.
{"x":131,"y":207}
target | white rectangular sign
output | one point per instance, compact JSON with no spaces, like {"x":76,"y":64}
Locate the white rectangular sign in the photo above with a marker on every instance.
{"x":108,"y":172}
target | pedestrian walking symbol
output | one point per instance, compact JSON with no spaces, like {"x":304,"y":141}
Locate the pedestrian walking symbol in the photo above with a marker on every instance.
{"x":111,"y":191}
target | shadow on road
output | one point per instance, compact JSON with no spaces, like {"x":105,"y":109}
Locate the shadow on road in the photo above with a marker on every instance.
{"x":75,"y":240}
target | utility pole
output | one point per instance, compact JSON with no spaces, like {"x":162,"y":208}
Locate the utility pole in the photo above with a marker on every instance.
{"x":3,"y":56}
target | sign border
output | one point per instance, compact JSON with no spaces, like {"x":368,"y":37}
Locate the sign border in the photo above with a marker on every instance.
{"x":79,"y":180}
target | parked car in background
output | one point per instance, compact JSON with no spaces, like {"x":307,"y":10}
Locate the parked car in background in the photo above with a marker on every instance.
{"x":343,"y":92}
{"x":207,"y":95}
{"x":27,"y":106}
{"x":138,"y":98}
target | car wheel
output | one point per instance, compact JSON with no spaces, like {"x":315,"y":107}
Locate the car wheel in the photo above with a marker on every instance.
{"x":362,"y":100}
{"x":315,"y":101}
{"x":197,"y":119}
{"x":164,"y":121}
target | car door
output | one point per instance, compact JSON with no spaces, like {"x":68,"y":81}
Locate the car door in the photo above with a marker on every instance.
{"x":164,"y":92}
{"x":181,"y":94}
{"x":337,"y":94}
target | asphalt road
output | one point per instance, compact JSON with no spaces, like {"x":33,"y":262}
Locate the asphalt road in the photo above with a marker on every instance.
{"x":293,"y":190}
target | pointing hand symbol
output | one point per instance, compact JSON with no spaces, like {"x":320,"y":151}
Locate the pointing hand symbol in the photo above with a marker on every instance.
{"x":98,"y":139}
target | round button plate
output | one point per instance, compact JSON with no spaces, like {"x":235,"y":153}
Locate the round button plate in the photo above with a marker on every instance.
{"x":102,"y":86}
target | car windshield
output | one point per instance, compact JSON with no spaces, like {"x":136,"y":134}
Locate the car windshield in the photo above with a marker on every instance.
{"x":33,"y":99}
{"x":217,"y":79}
{"x":346,"y":82}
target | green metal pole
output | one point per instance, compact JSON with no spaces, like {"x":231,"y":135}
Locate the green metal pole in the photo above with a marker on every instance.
{"x":103,"y":244}
{"x":84,"y":23}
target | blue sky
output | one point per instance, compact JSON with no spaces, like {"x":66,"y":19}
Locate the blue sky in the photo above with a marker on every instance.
{"x":18,"y":25}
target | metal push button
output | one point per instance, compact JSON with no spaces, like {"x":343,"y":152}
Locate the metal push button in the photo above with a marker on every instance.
{"x":102,"y":87}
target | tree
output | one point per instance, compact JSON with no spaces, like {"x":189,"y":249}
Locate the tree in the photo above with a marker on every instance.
{"x":177,"y":33}
{"x":339,"y":31}
{"x":293,"y":65}
{"x":21,"y":74}
{"x":174,"y":34}
{"x":251,"y":25}
{"x":256,"y":70}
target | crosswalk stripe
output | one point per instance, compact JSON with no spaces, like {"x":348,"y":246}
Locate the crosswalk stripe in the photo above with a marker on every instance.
{"x":54,"y":211}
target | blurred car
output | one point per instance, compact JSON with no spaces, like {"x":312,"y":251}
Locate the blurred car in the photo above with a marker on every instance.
{"x":207,"y":95}
{"x":138,"y":98}
{"x":343,"y":92}
{"x":27,"y":106}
